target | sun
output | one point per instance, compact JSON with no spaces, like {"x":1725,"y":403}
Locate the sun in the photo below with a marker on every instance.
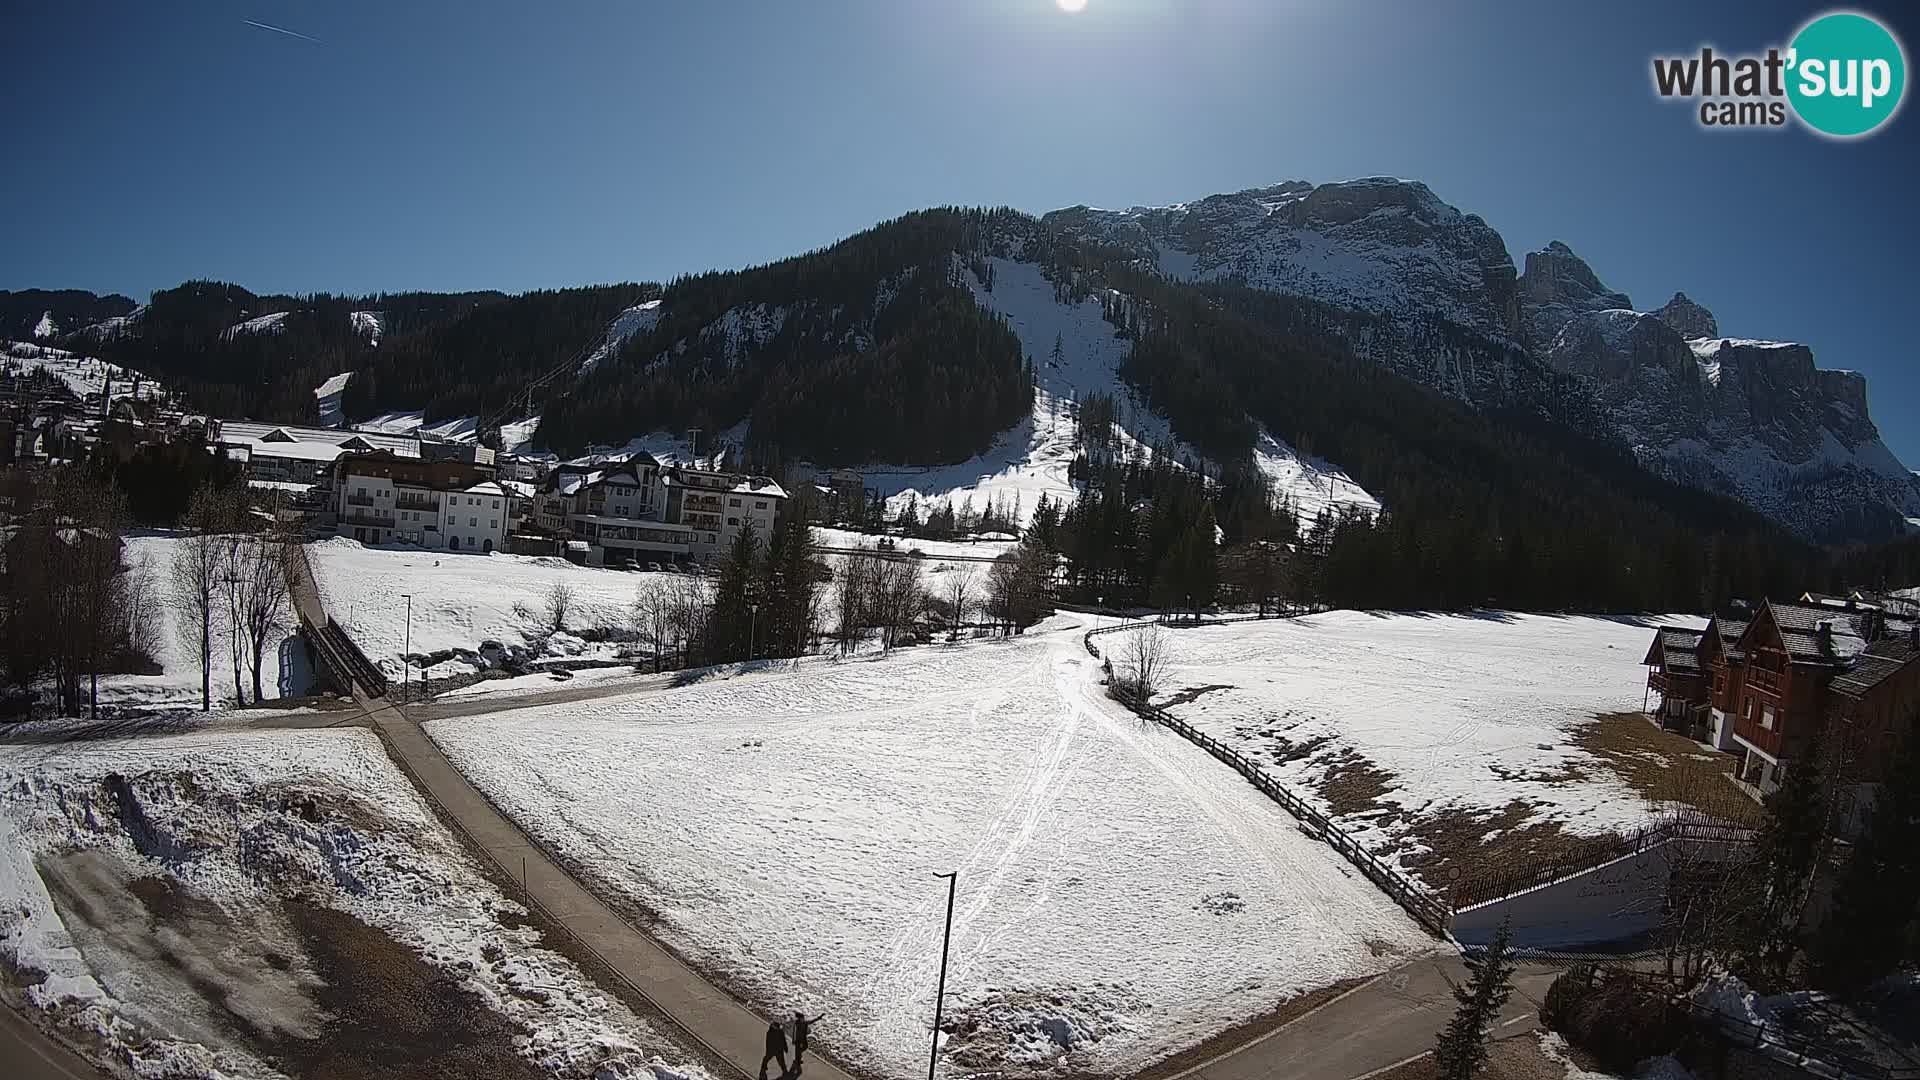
{"x":1071,"y":6}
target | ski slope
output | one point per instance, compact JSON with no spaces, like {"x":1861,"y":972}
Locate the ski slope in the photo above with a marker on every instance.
{"x":782,"y":830}
{"x":1031,"y":458}
{"x":83,"y":375}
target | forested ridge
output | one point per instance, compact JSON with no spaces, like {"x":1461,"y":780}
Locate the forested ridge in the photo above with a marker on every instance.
{"x":873,"y":349}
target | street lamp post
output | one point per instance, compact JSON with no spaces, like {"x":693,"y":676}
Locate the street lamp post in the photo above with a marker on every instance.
{"x":405,"y":664}
{"x":753,"y":616}
{"x":940,"y":992}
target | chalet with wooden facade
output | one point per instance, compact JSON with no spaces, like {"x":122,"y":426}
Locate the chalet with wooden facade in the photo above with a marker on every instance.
{"x":1780,"y":681}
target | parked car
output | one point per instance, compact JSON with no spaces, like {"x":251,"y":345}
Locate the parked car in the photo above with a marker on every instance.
{"x":654,"y":566}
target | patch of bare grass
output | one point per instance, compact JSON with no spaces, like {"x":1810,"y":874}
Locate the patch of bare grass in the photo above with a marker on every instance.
{"x":1665,"y":767}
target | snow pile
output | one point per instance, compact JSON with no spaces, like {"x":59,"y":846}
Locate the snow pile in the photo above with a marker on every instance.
{"x":272,"y":323}
{"x":146,"y":883}
{"x":1466,"y":712}
{"x":1729,"y":996}
{"x":638,"y":319}
{"x":461,"y":599}
{"x":45,"y":327}
{"x":781,"y":830}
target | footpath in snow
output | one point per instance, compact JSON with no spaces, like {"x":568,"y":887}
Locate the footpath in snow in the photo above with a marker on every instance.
{"x":781,"y":831}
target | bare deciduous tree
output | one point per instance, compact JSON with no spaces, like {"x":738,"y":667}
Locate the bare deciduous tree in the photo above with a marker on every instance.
{"x":960,"y":587}
{"x":195,"y":574}
{"x":851,"y":585}
{"x":264,"y":607}
{"x":653,"y":618}
{"x":559,"y":605}
{"x":1144,"y":657}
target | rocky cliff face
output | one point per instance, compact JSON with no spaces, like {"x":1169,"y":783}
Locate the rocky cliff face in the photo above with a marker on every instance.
{"x":1752,"y":419}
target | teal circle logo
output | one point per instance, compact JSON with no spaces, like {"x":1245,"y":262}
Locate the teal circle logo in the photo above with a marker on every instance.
{"x":1846,"y":74}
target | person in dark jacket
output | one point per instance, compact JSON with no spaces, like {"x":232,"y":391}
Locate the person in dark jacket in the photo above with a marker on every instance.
{"x":776,"y":1050}
{"x":801,"y":1026}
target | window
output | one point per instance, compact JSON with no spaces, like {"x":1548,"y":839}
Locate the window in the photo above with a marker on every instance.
{"x":733,"y":502}
{"x":496,"y":504}
{"x":733,"y":521}
{"x":1749,"y":708}
{"x":760,"y":504}
{"x":473,"y":523}
{"x":1766,"y":717}
{"x":451,"y":520}
{"x":493,"y":523}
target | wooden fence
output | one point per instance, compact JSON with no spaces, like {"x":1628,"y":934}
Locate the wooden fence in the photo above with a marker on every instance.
{"x":1429,"y":910}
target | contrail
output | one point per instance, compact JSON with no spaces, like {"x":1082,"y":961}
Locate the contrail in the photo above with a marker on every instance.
{"x":283,"y":30}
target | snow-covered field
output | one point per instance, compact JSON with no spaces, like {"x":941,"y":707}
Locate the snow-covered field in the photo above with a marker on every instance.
{"x":1466,"y":713}
{"x":460,"y":600}
{"x":1119,"y":891}
{"x":156,"y":894}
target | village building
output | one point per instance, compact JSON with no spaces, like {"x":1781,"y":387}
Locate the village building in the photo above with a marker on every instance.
{"x":639,"y":511}
{"x":1776,"y":685}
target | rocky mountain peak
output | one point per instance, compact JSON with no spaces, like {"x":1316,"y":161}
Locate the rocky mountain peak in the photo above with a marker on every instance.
{"x":1556,"y":286}
{"x":1692,"y":320}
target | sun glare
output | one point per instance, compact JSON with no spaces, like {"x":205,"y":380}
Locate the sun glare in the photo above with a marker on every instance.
{"x":1071,"y":6}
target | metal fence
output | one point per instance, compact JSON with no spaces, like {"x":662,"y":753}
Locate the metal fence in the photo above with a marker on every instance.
{"x":1429,"y":910}
{"x":1600,"y":851}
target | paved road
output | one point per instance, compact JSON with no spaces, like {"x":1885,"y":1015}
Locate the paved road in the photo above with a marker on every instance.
{"x":727,"y":1028}
{"x":1393,"y":1017}
{"x":27,"y":1053}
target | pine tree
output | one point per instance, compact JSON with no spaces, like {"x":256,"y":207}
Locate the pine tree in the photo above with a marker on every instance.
{"x":1786,"y":853}
{"x":1462,"y":1048}
{"x":1874,"y":906}
{"x":734,"y":626}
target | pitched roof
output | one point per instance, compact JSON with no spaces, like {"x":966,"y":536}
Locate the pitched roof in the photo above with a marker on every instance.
{"x":1800,"y":628}
{"x":1676,"y":650}
{"x":1876,"y":663}
{"x":1731,"y":628}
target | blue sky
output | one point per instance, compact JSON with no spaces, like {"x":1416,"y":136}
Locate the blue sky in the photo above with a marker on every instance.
{"x":484,"y":145}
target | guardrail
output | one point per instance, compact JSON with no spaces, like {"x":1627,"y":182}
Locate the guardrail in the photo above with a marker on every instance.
{"x":1430,"y":911}
{"x":1602,"y":850}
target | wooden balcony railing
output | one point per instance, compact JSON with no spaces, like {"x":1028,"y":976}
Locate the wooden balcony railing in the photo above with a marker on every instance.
{"x":1772,"y":682}
{"x":1773,"y":742}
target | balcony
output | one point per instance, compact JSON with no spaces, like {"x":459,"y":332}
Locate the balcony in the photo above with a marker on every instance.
{"x":359,"y":500}
{"x":406,"y":503}
{"x":362,"y":517}
{"x":1766,"y":681}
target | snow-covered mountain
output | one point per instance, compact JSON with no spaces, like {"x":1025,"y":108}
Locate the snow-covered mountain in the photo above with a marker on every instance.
{"x":1755,"y":420}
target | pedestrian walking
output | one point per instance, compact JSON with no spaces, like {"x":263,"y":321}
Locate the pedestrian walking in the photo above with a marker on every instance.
{"x":776,"y":1050}
{"x":801,"y":1027}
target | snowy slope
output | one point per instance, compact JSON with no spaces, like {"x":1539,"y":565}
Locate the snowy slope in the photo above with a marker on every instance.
{"x":1465,"y":712}
{"x":1031,"y":459}
{"x":272,"y":323}
{"x":234,"y":824}
{"x":637,"y":319}
{"x":783,"y":831}
{"x":368,"y":324}
{"x":45,"y":327}
{"x":83,"y":374}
